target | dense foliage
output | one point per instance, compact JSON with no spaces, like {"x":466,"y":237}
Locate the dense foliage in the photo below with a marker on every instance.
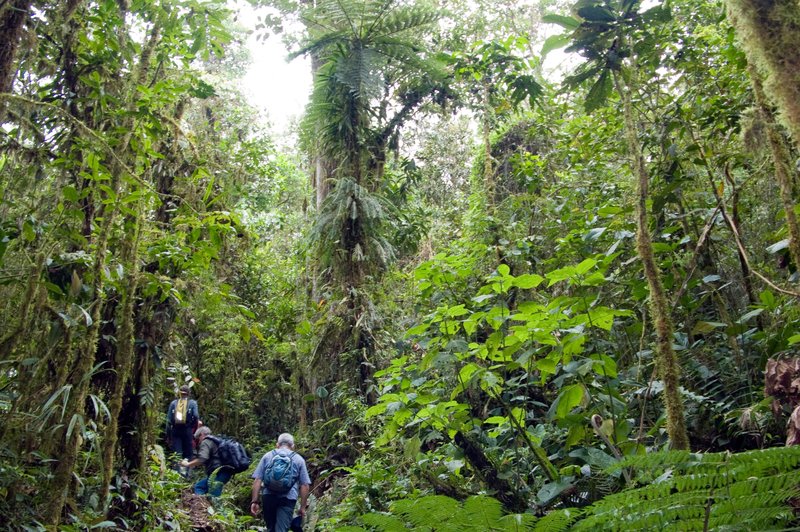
{"x":483,"y":293}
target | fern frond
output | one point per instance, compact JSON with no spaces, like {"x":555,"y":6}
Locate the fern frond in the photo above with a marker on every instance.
{"x":385,"y":522}
{"x":427,"y":510}
{"x":743,"y":491}
{"x":557,"y":521}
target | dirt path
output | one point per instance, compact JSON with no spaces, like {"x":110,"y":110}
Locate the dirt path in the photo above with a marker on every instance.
{"x":196,"y":507}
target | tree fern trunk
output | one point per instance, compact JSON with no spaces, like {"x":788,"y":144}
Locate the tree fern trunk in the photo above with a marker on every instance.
{"x":666,"y":359}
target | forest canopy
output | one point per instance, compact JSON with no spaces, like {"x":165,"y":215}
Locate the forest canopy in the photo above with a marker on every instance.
{"x":519,"y":266}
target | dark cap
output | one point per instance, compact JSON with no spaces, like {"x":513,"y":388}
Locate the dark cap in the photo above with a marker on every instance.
{"x":184,"y":388}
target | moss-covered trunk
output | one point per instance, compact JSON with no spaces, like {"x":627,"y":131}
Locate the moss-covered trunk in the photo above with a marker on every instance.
{"x":666,"y":359}
{"x":770,"y":34}
{"x":780,"y":160}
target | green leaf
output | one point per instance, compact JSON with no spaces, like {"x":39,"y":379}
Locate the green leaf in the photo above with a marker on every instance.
{"x":202,"y":90}
{"x":375,"y":410}
{"x":596,"y":14}
{"x":657,"y":14}
{"x":605,"y":366}
{"x":244,"y":311}
{"x":569,"y":398}
{"x":104,"y":524}
{"x":456,"y":311}
{"x":560,"y":274}
{"x":705,"y":327}
{"x":767,"y":299}
{"x":569,"y":23}
{"x":599,"y":92}
{"x":593,"y":234}
{"x":303,"y":328}
{"x":585,"y":266}
{"x":554,"y":42}
{"x":751,"y":314}
{"x":70,"y":193}
{"x":527,"y":281}
{"x":546,"y":365}
{"x":608,"y":210}
{"x":417,"y":329}
{"x":553,"y":489}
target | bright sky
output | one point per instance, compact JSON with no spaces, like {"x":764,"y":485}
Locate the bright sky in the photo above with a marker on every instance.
{"x":278,"y":88}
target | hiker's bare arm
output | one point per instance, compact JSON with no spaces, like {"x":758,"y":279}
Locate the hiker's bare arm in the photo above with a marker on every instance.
{"x":255,"y":497}
{"x":192,"y":463}
{"x":304,"y":489}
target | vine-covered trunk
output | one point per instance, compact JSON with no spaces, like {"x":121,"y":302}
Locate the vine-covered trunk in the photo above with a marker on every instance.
{"x":125,"y":348}
{"x":666,"y":359}
{"x":85,"y":356}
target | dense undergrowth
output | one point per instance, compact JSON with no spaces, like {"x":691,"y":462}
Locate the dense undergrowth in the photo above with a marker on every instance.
{"x":550,"y":307}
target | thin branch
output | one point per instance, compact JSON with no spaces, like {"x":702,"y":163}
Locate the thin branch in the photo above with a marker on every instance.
{"x":734,"y":230}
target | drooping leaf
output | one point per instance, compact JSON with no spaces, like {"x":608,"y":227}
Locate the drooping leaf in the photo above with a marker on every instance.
{"x":599,"y":92}
{"x":569,"y":23}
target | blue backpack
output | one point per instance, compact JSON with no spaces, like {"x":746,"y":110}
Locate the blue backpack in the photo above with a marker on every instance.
{"x":280,"y":474}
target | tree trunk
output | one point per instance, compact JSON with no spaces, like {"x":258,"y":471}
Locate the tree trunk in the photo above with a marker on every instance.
{"x":666,"y":359}
{"x":125,"y":351}
{"x":85,"y":356}
{"x":770,"y":35}
{"x":505,"y":493}
{"x":781,"y":161}
{"x":12,"y":19}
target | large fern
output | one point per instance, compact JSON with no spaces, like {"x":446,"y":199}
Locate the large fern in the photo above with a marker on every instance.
{"x":710,"y":491}
{"x":754,"y":490}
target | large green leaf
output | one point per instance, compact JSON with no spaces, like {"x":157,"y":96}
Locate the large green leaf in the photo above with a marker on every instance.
{"x":596,"y":14}
{"x":569,"y":398}
{"x":555,"y":42}
{"x":599,"y":92}
{"x":569,"y":23}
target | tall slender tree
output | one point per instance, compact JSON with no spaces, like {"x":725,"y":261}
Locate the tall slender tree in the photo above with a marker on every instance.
{"x":603,"y":36}
{"x":374,"y":73}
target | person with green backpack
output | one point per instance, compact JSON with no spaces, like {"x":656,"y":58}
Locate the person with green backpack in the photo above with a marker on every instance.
{"x":279,"y":479}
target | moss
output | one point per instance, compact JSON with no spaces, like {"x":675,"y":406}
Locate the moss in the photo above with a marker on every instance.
{"x":769,"y":31}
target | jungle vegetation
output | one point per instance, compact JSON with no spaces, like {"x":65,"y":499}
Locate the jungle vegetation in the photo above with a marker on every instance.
{"x":520,"y":265}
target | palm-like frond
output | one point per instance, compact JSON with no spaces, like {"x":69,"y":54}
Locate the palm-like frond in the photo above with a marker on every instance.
{"x":348,"y":229}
